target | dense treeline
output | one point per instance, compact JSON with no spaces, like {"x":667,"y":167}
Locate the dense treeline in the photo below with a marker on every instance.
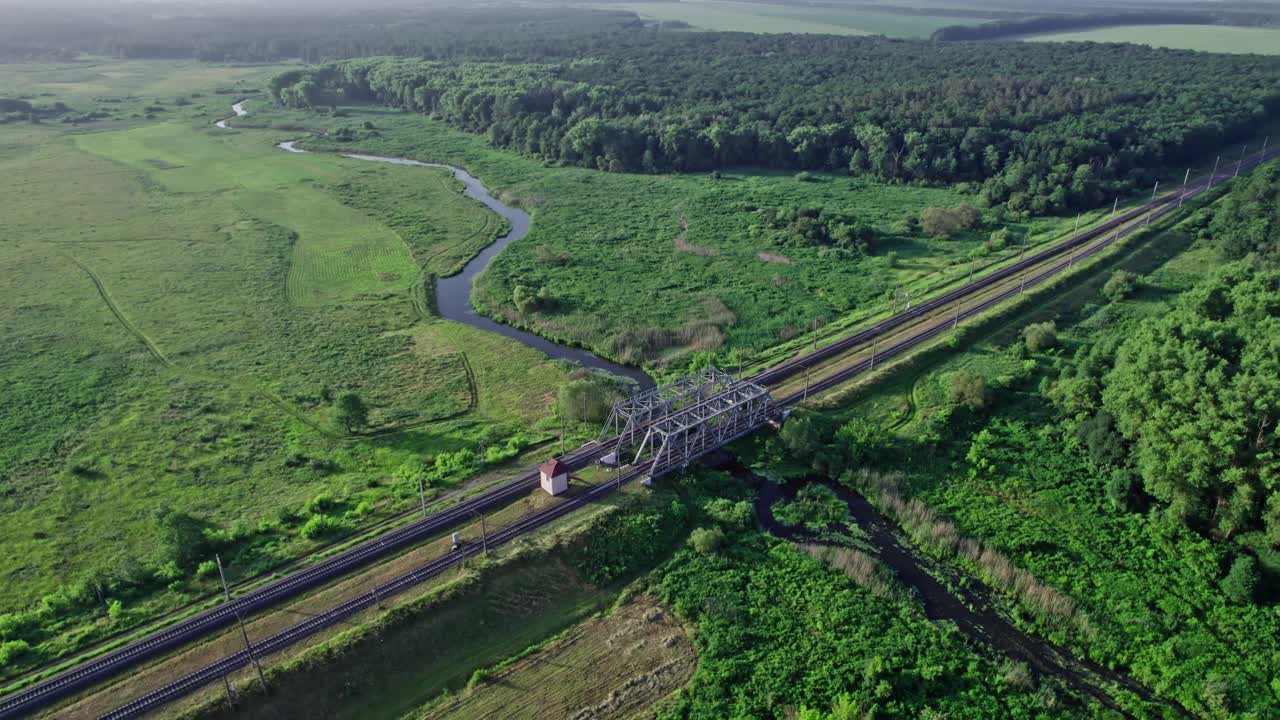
{"x":313,"y":34}
{"x":1067,"y":23}
{"x":1183,"y":412}
{"x":1042,"y":127}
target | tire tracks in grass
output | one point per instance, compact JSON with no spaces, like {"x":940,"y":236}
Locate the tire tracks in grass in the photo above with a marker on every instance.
{"x":254,"y":389}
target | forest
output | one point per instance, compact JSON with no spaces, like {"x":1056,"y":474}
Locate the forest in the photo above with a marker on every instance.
{"x":277,"y":31}
{"x":1039,"y":128}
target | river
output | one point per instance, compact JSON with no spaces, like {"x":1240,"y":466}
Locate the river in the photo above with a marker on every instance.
{"x":453,"y":293}
{"x":970,"y":608}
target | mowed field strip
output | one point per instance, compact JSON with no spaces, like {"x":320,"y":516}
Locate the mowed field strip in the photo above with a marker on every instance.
{"x":1206,"y":38}
{"x":341,"y":254}
{"x":610,"y":667}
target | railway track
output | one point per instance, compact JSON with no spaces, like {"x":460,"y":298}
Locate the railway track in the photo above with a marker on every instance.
{"x":1163,"y":207}
{"x":219,"y":616}
{"x":1155,"y":208}
{"x":284,"y":638}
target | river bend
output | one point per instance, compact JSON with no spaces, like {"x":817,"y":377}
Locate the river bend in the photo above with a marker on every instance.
{"x":453,"y":293}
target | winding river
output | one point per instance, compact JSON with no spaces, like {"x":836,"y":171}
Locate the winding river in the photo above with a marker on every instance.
{"x":453,"y":293}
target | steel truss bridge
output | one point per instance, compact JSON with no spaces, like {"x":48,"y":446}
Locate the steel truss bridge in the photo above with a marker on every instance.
{"x":675,"y":424}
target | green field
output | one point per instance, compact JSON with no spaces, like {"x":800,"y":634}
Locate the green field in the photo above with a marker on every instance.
{"x":180,"y":305}
{"x":604,"y":245}
{"x":789,"y":18}
{"x":1206,"y":38}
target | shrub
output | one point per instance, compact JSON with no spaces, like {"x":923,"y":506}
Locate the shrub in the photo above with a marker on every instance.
{"x":115,"y":611}
{"x":324,"y":525}
{"x":707,"y":540}
{"x":13,"y":651}
{"x":727,"y":512}
{"x":1040,"y":336}
{"x":1120,"y":286}
{"x":321,"y":504}
{"x":968,"y":388}
{"x":804,"y":176}
{"x":208,"y":568}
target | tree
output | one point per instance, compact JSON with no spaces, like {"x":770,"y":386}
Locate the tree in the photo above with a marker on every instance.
{"x":1196,"y":390}
{"x":1241,"y":580}
{"x":1040,"y":336}
{"x":944,"y":222}
{"x":349,"y":412}
{"x":180,"y":538}
{"x":968,"y":388}
{"x":588,"y":399}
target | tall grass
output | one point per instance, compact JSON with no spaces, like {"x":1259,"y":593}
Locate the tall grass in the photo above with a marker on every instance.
{"x":940,"y":536}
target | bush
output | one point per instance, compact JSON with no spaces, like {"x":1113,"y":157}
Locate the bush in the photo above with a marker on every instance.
{"x":208,"y":568}
{"x":739,"y":515}
{"x":707,"y":540}
{"x":1040,"y":336}
{"x":321,"y":504}
{"x":324,"y":525}
{"x":804,"y":176}
{"x":13,"y":651}
{"x":1120,"y":286}
{"x":968,"y":388}
{"x":115,"y":611}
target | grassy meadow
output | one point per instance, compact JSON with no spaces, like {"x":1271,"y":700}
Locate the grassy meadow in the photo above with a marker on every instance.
{"x":653,"y":268}
{"x":1205,"y":38}
{"x":181,"y":305}
{"x":792,"y":18}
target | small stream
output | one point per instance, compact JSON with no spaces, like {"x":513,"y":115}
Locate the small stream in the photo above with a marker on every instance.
{"x":453,"y":293}
{"x":970,"y":609}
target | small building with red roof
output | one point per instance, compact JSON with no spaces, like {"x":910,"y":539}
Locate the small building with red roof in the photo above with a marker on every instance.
{"x":555,"y":476}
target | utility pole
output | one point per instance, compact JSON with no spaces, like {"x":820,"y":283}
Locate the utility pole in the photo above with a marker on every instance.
{"x":1153,"y":199}
{"x":562,"y":431}
{"x":422,"y":495}
{"x":484,"y":534}
{"x":1241,"y":163}
{"x":873,"y":353}
{"x":248,"y":647}
{"x":1262,"y":154}
{"x":1184,"y":186}
{"x":230,"y":700}
{"x":1115,"y":205}
{"x":1073,"y":232}
{"x":955,"y":322}
{"x":1214,"y":174}
{"x":1023,"y":286}
{"x":1072,"y":261}
{"x":896,"y":290}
